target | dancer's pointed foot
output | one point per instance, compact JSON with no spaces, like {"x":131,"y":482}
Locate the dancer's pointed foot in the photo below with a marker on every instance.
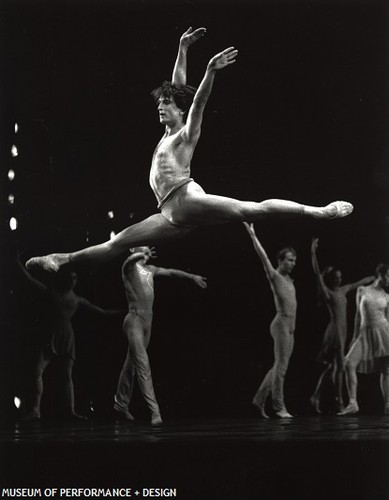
{"x":156,"y":419}
{"x":351,"y":409}
{"x":334,"y":210}
{"x":50,"y":262}
{"x":260,"y":410}
{"x":283,"y":414}
{"x":315,"y":402}
{"x":122,"y":413}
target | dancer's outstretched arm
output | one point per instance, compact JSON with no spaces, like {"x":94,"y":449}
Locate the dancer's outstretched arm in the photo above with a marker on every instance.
{"x":92,"y":308}
{"x":189,"y":37}
{"x":269,"y":269}
{"x":192,"y":128}
{"x":362,"y":282}
{"x":177,"y":273}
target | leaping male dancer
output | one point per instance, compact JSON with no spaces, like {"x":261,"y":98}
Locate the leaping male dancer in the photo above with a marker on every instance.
{"x":182,"y":202}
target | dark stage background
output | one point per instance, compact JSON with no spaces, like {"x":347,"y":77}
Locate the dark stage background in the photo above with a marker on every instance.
{"x":302,"y":115}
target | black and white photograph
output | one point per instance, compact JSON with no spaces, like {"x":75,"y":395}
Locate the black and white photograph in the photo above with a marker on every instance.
{"x":194,"y":249}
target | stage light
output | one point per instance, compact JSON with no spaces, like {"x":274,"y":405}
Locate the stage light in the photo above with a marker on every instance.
{"x":110,"y":214}
{"x":14,"y":151}
{"x":13,"y":223}
{"x":11,"y":199}
{"x":11,"y":174}
{"x":16,"y":128}
{"x":17,"y":402}
{"x":112,"y":235}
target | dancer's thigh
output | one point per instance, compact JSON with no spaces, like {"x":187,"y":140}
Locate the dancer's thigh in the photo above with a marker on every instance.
{"x":283,"y":339}
{"x":192,"y":206}
{"x":354,"y":355}
{"x":150,"y":231}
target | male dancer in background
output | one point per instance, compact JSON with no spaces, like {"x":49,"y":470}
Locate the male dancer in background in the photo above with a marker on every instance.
{"x":183,"y":203}
{"x":282,"y":327}
{"x":138,"y":279}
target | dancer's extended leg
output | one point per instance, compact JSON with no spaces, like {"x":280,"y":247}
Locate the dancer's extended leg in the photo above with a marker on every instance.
{"x":192,"y":205}
{"x":150,"y":231}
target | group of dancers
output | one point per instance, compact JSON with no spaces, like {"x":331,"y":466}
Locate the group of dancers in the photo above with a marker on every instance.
{"x":183,"y":206}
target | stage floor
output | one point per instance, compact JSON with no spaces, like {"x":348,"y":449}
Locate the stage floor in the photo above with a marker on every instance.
{"x":320,"y":457}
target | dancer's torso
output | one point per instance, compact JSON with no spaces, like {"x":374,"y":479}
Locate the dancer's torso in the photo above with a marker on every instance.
{"x":373,"y":306}
{"x":63,"y":306}
{"x":284,"y":295}
{"x":337,"y":307}
{"x":170,"y":164}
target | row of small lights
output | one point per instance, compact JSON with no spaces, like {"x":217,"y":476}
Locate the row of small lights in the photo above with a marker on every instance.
{"x":13,"y":222}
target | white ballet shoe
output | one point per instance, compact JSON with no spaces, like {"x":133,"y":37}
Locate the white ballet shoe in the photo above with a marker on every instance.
{"x":338,"y":209}
{"x":48,"y":263}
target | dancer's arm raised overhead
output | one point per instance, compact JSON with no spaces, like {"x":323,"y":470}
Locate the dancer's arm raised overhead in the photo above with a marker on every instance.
{"x":191,"y":130}
{"x":187,"y":38}
{"x":323,"y":290}
{"x":269,"y":269}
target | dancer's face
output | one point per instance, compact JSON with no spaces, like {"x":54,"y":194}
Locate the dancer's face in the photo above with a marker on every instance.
{"x":337,"y":279}
{"x":287,"y":265}
{"x":169,"y":112}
